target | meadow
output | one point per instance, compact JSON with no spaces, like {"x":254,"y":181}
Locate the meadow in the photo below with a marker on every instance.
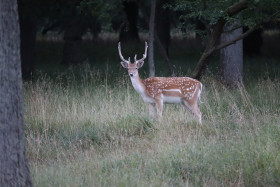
{"x":86,"y":126}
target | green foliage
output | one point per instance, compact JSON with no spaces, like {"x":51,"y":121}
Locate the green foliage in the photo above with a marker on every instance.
{"x":103,"y":10}
{"x":210,"y":12}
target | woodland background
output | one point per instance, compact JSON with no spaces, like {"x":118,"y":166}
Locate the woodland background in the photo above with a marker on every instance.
{"x":86,"y":126}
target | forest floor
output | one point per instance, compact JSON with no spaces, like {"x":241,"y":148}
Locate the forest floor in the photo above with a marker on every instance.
{"x":86,"y":125}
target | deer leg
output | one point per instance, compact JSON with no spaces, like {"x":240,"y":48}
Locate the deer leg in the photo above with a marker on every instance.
{"x":159,"y":105}
{"x":152,"y":110}
{"x":193,"y":108}
{"x":197,"y":112}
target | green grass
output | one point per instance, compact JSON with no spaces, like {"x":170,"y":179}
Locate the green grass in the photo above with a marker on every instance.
{"x":87,"y":127}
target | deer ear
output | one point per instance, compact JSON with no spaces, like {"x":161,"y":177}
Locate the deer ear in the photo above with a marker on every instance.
{"x":124,"y":64}
{"x":140,"y":64}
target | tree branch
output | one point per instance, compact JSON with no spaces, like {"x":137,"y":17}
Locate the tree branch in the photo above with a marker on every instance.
{"x":246,"y":33}
{"x":216,"y":33}
{"x":223,"y":45}
{"x":237,"y":7}
{"x":218,"y":27}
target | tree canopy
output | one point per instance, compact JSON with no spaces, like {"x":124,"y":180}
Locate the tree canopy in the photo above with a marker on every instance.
{"x":214,"y":15}
{"x":249,"y":12}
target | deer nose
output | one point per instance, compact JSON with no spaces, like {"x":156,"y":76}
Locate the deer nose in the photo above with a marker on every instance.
{"x":131,"y":74}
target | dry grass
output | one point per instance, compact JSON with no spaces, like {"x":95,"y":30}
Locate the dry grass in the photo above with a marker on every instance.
{"x":86,"y":131}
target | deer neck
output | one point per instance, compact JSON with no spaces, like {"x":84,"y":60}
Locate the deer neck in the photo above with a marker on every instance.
{"x":138,"y":84}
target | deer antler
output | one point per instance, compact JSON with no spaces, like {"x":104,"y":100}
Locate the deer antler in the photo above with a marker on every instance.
{"x":144,"y":55}
{"x":120,"y":53}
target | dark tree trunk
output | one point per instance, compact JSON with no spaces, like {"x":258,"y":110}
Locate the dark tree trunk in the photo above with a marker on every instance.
{"x":74,"y":28}
{"x":28,"y":38}
{"x":231,"y":57}
{"x":129,"y":31}
{"x":163,"y":25}
{"x":14,"y":170}
{"x":163,"y":43}
{"x":72,"y":52}
{"x":151,"y":39}
{"x":162,"y":34}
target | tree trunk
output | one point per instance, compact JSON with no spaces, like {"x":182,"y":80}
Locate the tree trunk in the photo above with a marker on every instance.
{"x":129,"y":31}
{"x":162,"y":34}
{"x":14,"y":170}
{"x":151,"y":39}
{"x":163,"y":43}
{"x":163,"y":25}
{"x":231,"y":57}
{"x":72,"y":52}
{"x":27,"y":38}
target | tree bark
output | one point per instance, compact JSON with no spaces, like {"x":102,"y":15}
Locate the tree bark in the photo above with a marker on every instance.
{"x":163,"y":25}
{"x":151,"y":39}
{"x":231,"y":57}
{"x":14,"y":170}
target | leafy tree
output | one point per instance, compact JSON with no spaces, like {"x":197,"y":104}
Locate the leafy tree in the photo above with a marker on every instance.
{"x":162,"y":34}
{"x":215,"y":14}
{"x":73,"y":18}
{"x":129,"y":30}
{"x":76,"y":18}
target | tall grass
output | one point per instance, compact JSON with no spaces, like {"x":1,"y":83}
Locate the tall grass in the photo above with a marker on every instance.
{"x":84,"y":130}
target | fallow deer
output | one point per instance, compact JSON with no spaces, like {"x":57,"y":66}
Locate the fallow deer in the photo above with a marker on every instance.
{"x":159,"y":90}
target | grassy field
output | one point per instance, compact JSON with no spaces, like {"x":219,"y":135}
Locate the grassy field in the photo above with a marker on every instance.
{"x":88,"y":127}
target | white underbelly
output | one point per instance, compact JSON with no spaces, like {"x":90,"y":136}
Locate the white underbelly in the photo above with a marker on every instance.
{"x":170,"y":99}
{"x":165,"y":99}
